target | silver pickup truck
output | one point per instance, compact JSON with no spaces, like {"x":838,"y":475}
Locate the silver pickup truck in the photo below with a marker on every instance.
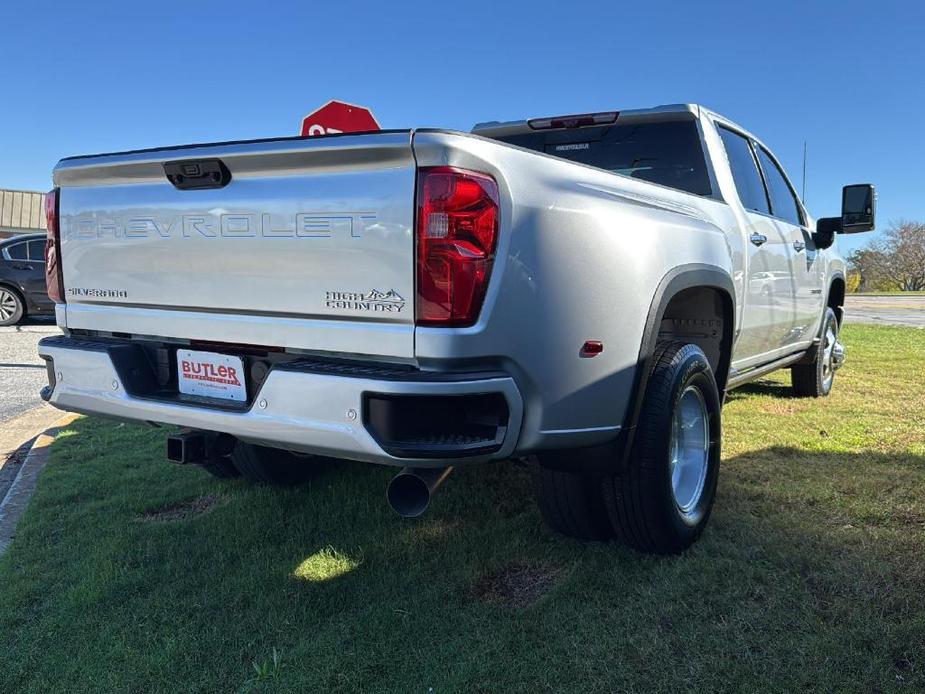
{"x":578,"y":292}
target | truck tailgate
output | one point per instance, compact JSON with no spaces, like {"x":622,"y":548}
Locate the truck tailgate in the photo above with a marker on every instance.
{"x":309,"y":244}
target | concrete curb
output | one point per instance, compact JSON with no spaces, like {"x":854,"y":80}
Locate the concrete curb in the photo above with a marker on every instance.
{"x":16,"y":431}
{"x":14,"y":503}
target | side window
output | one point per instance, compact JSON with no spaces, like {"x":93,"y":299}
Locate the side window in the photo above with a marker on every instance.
{"x":783,"y":201}
{"x":17,"y":251}
{"x":37,"y":251}
{"x":744,"y":171}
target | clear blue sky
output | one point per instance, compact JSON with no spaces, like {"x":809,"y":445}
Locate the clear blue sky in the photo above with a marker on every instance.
{"x":848,"y":77}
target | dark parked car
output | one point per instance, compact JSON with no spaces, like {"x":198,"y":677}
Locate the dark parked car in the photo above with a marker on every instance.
{"x":22,"y":278}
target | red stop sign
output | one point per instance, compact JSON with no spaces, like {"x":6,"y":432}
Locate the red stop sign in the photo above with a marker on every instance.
{"x":339,"y":117}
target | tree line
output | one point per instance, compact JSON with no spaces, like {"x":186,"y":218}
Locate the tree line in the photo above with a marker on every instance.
{"x":894,"y":262}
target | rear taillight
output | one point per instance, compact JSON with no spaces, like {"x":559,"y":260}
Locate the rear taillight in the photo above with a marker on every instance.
{"x":53,"y":279}
{"x":457,"y":231}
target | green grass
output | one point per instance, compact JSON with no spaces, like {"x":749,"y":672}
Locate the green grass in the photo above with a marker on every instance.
{"x":811,"y":574}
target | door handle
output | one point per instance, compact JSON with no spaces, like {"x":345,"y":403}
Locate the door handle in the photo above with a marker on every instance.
{"x":798,"y":246}
{"x":757,"y":238}
{"x":23,"y":267}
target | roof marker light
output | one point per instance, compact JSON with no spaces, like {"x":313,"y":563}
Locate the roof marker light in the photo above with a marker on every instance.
{"x":575,"y":121}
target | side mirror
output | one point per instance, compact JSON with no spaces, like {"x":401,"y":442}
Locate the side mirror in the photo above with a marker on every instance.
{"x":858,"y":208}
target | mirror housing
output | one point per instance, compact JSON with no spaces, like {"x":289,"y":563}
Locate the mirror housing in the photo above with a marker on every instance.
{"x":858,"y":212}
{"x":824,"y":236}
{"x":858,"y":208}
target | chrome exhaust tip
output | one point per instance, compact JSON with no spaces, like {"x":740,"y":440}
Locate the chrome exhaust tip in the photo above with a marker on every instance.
{"x":410,"y":491}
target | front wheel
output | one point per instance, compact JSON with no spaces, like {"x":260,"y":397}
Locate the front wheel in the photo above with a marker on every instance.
{"x":814,"y":379}
{"x":661,"y":502}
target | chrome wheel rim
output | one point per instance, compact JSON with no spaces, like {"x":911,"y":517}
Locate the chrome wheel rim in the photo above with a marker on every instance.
{"x":829,"y":347}
{"x":7,"y":305}
{"x":690,"y":450}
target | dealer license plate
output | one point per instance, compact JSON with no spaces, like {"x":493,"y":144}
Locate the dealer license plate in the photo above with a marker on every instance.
{"x":211,"y":375}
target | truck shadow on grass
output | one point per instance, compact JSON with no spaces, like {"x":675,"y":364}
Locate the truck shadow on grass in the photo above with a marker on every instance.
{"x":810,"y":571}
{"x":762,"y":387}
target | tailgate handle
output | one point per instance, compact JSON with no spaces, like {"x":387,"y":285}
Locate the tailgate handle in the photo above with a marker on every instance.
{"x":197,"y":174}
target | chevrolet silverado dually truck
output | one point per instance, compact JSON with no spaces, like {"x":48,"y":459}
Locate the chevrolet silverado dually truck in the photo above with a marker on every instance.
{"x":575,"y":292}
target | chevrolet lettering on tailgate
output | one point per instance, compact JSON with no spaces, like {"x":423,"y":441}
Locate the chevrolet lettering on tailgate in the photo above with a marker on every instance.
{"x":207,"y":225}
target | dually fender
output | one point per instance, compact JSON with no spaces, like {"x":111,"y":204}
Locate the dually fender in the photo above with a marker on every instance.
{"x":684,"y":277}
{"x":604,"y":459}
{"x":694,"y":275}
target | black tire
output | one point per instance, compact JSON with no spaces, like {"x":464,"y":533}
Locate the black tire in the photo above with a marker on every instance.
{"x":12,"y":306}
{"x":571,"y":504}
{"x":220,"y":447}
{"x":814,"y":379}
{"x":263,"y":465}
{"x":640,"y":500}
{"x":221,"y":467}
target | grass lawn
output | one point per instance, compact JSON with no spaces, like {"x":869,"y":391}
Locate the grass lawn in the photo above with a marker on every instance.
{"x":130,"y":574}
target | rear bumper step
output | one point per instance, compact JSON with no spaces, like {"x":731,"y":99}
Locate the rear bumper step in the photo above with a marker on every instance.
{"x":437,"y":426}
{"x":368,"y":414}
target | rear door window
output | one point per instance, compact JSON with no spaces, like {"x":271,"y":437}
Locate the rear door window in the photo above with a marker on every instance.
{"x":37,"y":251}
{"x":669,"y":153}
{"x":745,"y":171}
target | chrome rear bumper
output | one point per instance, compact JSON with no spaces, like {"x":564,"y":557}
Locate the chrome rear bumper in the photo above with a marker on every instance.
{"x":311,"y":412}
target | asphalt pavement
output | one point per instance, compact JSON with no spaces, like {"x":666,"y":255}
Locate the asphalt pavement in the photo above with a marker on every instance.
{"x":22,"y":412}
{"x":22,"y":372}
{"x":883,"y":309}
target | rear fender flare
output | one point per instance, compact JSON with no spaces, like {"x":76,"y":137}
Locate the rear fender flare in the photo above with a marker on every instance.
{"x":677,"y":280}
{"x":609,"y":458}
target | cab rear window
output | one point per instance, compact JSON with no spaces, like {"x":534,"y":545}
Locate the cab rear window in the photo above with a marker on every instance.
{"x":668,"y":153}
